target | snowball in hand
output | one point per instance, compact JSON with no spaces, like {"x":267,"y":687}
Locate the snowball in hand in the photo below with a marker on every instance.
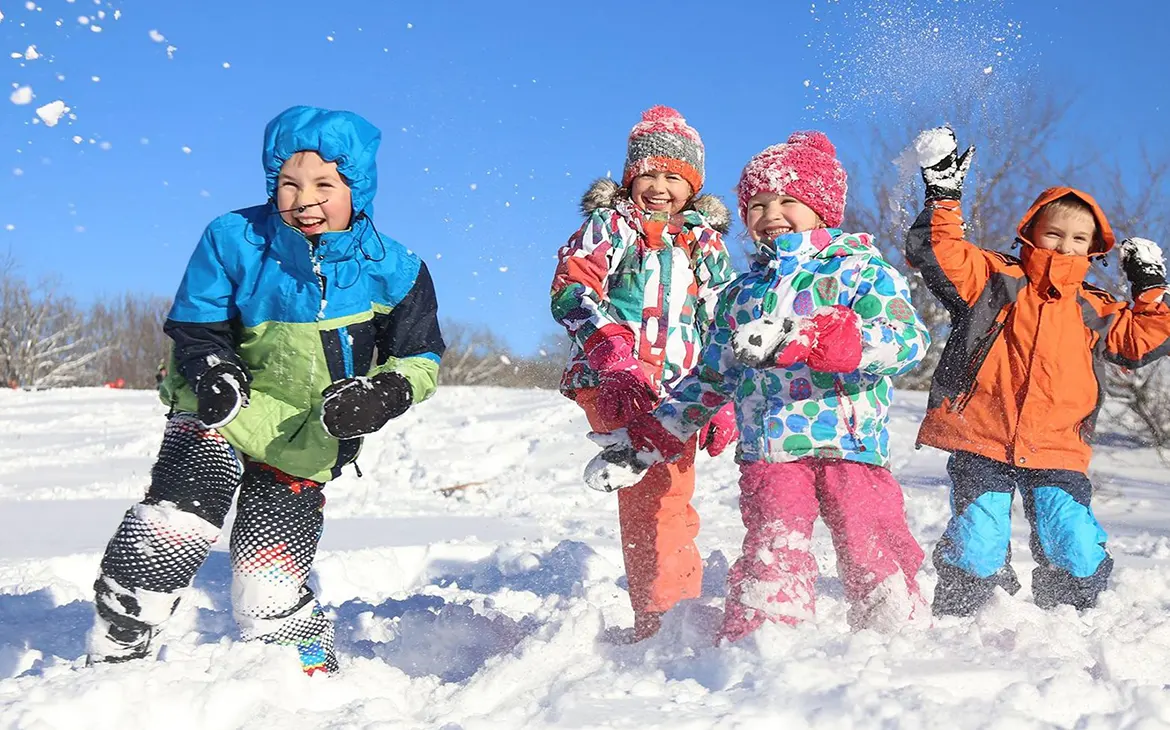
{"x":933,"y":145}
{"x":1144,"y":252}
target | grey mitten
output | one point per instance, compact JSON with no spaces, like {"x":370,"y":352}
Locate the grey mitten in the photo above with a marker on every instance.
{"x":1143,"y":264}
{"x":943,"y":169}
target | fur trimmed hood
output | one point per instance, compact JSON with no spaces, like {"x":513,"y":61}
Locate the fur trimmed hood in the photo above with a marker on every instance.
{"x":605,"y":192}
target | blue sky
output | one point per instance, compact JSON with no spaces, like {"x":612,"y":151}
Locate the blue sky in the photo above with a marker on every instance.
{"x":495,"y":116}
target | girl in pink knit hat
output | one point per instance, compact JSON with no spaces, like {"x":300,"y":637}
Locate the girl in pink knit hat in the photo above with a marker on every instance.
{"x":806,"y":344}
{"x":636,"y":287}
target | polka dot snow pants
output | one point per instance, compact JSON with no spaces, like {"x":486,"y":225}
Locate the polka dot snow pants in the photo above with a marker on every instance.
{"x":163,"y":540}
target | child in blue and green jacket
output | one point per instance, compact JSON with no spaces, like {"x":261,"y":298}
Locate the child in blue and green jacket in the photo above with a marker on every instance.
{"x":297,"y":330}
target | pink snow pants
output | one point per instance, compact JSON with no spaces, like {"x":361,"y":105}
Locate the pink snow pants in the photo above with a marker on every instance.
{"x":775,"y":578}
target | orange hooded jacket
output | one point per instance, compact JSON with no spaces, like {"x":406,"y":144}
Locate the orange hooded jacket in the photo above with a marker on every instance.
{"x":1021,"y":377}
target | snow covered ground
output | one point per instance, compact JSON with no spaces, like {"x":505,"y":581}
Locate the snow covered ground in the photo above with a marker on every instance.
{"x":498,"y":604}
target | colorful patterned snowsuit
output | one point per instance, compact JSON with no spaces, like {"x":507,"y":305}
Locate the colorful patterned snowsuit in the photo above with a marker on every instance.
{"x":812,"y":440}
{"x":659,"y":280}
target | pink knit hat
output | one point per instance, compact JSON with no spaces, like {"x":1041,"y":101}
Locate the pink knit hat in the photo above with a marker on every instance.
{"x":664,"y":141}
{"x":804,"y":167}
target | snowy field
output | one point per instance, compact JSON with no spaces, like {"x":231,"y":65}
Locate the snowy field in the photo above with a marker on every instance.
{"x":477,"y":584}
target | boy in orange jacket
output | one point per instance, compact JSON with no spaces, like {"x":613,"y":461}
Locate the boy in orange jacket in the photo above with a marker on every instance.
{"x":1021,"y":380}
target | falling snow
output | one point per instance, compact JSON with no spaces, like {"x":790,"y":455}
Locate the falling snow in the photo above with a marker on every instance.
{"x":52,"y":112}
{"x":891,"y":52}
{"x":22,"y":95}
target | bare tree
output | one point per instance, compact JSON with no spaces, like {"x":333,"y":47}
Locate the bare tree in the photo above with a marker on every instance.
{"x":474,"y":356}
{"x":477,"y":356}
{"x":43,"y":343}
{"x":544,"y":369}
{"x":130,"y":327}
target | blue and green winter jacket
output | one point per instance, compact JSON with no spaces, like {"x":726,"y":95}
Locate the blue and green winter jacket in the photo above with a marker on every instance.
{"x":297,"y":316}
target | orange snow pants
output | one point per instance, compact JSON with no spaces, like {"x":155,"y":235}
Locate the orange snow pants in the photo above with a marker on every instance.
{"x":658,"y":527}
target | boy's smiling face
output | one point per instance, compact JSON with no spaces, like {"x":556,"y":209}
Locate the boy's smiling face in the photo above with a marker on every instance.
{"x":1069,"y":232}
{"x":309,"y":182}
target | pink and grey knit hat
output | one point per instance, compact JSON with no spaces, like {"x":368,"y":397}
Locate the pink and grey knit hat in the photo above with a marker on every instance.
{"x":805,"y":167}
{"x":664,"y":141}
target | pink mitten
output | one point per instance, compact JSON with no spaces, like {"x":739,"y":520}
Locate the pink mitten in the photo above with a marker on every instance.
{"x":720,"y":431}
{"x":624,"y":390}
{"x":799,"y":347}
{"x":835,"y":344}
{"x":647,"y":434}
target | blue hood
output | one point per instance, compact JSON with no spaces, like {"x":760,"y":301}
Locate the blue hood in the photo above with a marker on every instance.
{"x":338,"y":136}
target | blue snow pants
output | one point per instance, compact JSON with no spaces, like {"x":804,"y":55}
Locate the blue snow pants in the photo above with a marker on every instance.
{"x":974,"y":554}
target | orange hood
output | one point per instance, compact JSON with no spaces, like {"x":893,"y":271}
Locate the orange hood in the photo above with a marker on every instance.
{"x":1105,"y":240}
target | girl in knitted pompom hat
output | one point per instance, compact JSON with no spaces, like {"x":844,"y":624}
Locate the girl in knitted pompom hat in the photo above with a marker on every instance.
{"x":805,"y":344}
{"x":635,"y":287}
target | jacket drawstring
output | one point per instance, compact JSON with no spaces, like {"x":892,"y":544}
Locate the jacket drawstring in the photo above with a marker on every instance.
{"x":850,"y":418}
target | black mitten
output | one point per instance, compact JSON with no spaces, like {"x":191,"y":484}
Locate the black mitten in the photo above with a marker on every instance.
{"x":221,"y":391}
{"x":357,"y":406}
{"x":943,"y":169}
{"x":1143,"y":264}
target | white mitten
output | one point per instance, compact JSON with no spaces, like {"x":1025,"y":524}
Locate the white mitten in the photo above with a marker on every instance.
{"x":619,"y":464}
{"x":756,"y":343}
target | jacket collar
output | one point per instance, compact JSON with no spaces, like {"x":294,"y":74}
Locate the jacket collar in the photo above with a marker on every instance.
{"x":807,"y":245}
{"x":1054,"y":274}
{"x":660,"y":230}
{"x":335,"y":247}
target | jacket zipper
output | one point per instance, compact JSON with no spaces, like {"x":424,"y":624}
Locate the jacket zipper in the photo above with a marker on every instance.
{"x":1028,"y":380}
{"x":315,"y":258}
